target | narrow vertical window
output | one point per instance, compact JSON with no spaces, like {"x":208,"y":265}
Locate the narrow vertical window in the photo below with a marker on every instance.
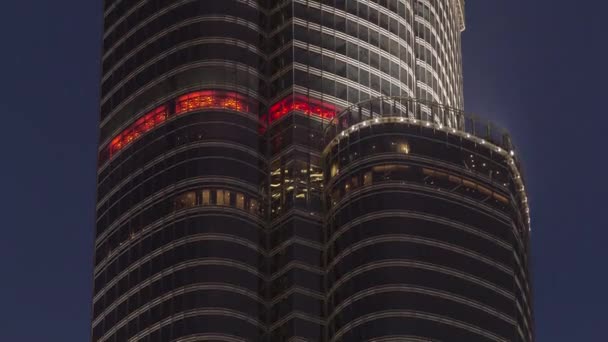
{"x":240,"y":201}
{"x":206,"y":197}
{"x":253,"y":206}
{"x":226,"y":197}
{"x":367,"y":178}
{"x":220,"y":197}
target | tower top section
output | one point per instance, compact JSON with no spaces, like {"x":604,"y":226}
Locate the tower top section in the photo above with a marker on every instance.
{"x":460,"y":12}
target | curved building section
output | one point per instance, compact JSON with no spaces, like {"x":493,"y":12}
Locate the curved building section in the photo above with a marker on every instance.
{"x":180,"y":239}
{"x":427,"y":228}
{"x":344,"y":52}
{"x":438,"y":25}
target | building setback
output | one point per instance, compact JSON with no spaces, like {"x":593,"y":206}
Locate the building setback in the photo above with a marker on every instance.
{"x":298,"y":170}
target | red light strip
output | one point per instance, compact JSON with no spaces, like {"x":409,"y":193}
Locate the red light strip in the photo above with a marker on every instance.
{"x":213,"y":99}
{"x":210,"y":99}
{"x":206,"y":99}
{"x":145,"y":124}
{"x":302,"y":104}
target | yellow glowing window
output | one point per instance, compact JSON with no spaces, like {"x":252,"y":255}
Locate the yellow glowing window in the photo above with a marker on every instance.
{"x":334,"y":169}
{"x":367,"y":178}
{"x":253,"y":206}
{"x":219,"y":197}
{"x":206,"y":197}
{"x":227,"y":196}
{"x":186,"y":200}
{"x":240,"y":201}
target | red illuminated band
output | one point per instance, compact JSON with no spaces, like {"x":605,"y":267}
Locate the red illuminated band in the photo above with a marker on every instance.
{"x":213,"y":99}
{"x":145,"y":124}
{"x":301,"y":104}
{"x":208,"y":99}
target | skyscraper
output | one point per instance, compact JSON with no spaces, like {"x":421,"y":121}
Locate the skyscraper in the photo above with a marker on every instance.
{"x":301,"y":170}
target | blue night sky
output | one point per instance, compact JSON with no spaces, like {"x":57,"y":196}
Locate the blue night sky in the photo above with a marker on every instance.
{"x":537,"y":67}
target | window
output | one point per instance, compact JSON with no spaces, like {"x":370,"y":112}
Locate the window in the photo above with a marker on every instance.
{"x":253,"y":206}
{"x":219,"y":197}
{"x":186,"y":200}
{"x":367,"y":178}
{"x":240,"y":201}
{"x":227,"y":196}
{"x":206,"y":197}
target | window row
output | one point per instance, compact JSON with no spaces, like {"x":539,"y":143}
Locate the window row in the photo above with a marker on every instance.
{"x":364,"y":73}
{"x":226,"y":54}
{"x":417,"y":300}
{"x":217,"y":197}
{"x":408,"y":174}
{"x":425,"y":252}
{"x":425,"y":143}
{"x":138,"y":73}
{"x":179,"y":303}
{"x":424,"y":229}
{"x":199,"y":100}
{"x":189,"y":251}
{"x":189,"y":137}
{"x":417,"y":276}
{"x":175,"y":233}
{"x":151,"y":9}
{"x":302,"y":104}
{"x":435,"y":205}
{"x":204,"y":27}
{"x":392,"y":20}
{"x":367,"y":34}
{"x":143,"y":191}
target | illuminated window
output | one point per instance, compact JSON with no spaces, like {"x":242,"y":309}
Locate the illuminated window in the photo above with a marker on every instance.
{"x":186,"y":103}
{"x":240,"y":201}
{"x":367,"y":178}
{"x":219,"y":197}
{"x":254,"y":206}
{"x":227,"y":196}
{"x":186,"y":200}
{"x":334,"y":169}
{"x":206,"y":197}
{"x":146,"y":123}
{"x":210,"y":99}
{"x":301,"y":104}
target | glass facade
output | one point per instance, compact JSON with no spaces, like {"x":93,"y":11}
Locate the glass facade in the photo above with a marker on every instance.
{"x":265,"y":175}
{"x":426,"y":228}
{"x":181,"y":222}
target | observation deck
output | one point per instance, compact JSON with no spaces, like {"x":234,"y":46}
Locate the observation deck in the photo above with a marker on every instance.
{"x":450,"y":124}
